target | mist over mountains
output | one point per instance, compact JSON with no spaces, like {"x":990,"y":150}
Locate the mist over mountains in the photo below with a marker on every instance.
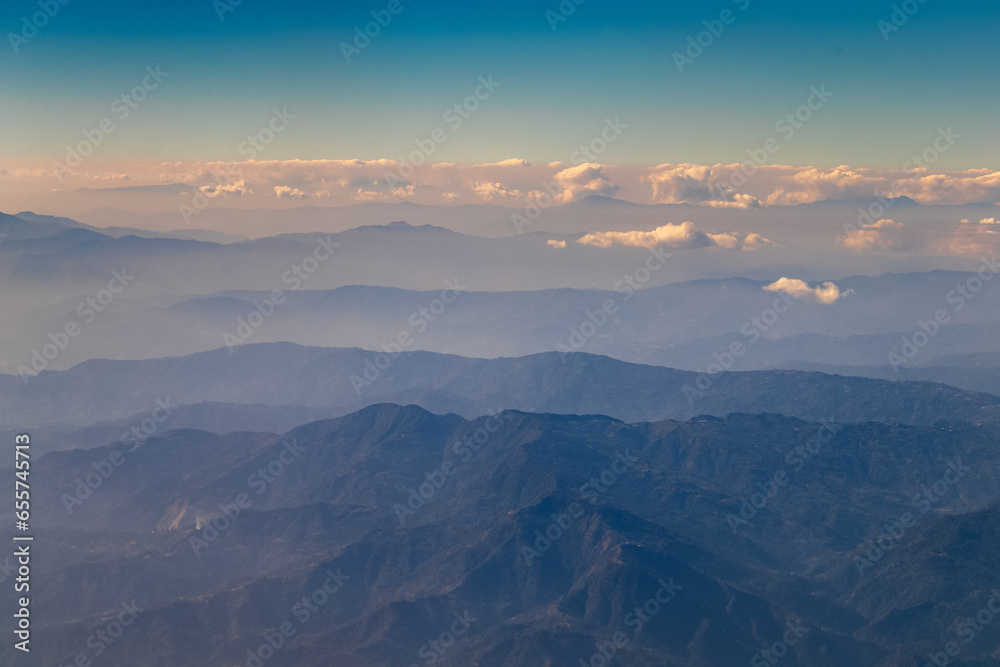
{"x":176,"y":297}
{"x":404,"y":443}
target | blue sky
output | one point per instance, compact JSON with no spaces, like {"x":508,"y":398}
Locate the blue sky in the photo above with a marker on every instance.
{"x":557,"y":86}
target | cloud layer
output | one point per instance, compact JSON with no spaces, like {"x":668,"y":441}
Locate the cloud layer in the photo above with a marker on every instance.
{"x":512,"y":182}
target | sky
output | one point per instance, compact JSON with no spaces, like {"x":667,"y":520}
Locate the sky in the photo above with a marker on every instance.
{"x":558,"y":73}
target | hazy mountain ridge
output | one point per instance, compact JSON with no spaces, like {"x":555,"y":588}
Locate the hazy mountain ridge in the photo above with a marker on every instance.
{"x":287,"y":376}
{"x":681,"y":325}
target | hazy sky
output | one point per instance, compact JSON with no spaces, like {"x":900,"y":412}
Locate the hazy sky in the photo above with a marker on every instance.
{"x":556,"y":85}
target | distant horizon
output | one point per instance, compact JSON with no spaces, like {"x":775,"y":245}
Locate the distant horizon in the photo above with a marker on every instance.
{"x":149,"y":188}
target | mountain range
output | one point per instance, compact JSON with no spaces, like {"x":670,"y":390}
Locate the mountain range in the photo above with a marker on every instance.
{"x":633,"y":512}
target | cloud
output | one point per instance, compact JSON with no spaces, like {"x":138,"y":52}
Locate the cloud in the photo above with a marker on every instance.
{"x":683,"y":235}
{"x":493,"y":192}
{"x":718,"y":185}
{"x":826,"y":293}
{"x":584,"y":180}
{"x":512,"y":162}
{"x":556,"y":244}
{"x":989,"y":221}
{"x":884,"y":234}
{"x":370,"y":195}
{"x":237,"y":187}
{"x":971,"y":239}
{"x":405,"y":192}
{"x":811,"y":184}
{"x":696,"y":184}
{"x":727,"y":241}
{"x":754,"y":241}
{"x":974,"y":185}
{"x":285,"y":192}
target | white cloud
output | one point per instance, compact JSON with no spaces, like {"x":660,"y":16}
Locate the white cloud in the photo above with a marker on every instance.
{"x":285,"y":192}
{"x":405,"y":192}
{"x":584,"y":180}
{"x":683,"y":235}
{"x":370,"y":195}
{"x":974,"y":185}
{"x":826,"y":293}
{"x":237,"y":187}
{"x":556,"y":244}
{"x":696,"y":184}
{"x":512,"y":162}
{"x":810,"y":184}
{"x":494,"y":192}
